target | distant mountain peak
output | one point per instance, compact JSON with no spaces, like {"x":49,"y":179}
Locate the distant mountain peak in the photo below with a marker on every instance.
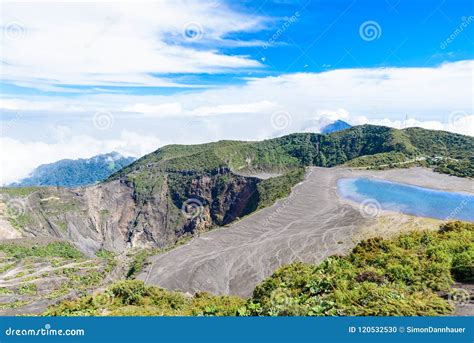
{"x":79,"y":172}
{"x":336,"y":126}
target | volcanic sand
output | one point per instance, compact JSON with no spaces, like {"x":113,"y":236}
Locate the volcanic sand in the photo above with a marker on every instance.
{"x":309,"y":225}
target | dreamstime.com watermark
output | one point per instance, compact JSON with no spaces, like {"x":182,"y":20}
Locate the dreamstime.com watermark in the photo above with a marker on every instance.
{"x":454,"y":213}
{"x":192,"y":208}
{"x":465,"y":22}
{"x":287,"y":23}
{"x":45,"y":331}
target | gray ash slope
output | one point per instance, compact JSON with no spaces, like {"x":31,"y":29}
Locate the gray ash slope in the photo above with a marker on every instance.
{"x":308,"y":226}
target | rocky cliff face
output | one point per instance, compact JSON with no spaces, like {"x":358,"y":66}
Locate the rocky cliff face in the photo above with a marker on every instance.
{"x":121,"y":214}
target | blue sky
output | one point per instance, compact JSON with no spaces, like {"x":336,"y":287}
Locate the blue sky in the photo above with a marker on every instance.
{"x":86,"y":78}
{"x":324,"y":36}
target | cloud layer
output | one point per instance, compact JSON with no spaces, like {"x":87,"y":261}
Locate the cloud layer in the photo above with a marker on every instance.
{"x":436,"y":98}
{"x":118,"y":44}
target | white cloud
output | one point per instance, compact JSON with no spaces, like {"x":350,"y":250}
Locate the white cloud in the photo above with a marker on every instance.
{"x":161,"y":110}
{"x":463,"y":124}
{"x":435,"y":98}
{"x":117,"y":43}
{"x":256,"y":107}
{"x":424,"y":94}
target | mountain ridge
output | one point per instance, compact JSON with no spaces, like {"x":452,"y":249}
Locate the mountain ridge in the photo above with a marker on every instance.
{"x":181,"y":190}
{"x":75,"y":172}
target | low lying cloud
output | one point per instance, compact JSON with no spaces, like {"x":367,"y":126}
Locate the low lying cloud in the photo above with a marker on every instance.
{"x":437,"y":98}
{"x":119,"y":43}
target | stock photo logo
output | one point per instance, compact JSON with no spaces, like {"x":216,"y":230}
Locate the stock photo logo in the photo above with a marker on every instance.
{"x":465,"y":23}
{"x":370,"y":31}
{"x":458,"y":118}
{"x":14,"y":31}
{"x":192,"y":208}
{"x":103,"y":120}
{"x":370,"y":208}
{"x":15,"y":208}
{"x":193,"y":31}
{"x":460,"y":297}
{"x":281,"y":120}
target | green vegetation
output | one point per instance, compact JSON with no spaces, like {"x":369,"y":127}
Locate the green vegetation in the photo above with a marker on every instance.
{"x":62,"y":226}
{"x":461,"y":168}
{"x":19,"y":221}
{"x":270,"y":190}
{"x":27,"y":289}
{"x":61,"y":291}
{"x":380,"y":277}
{"x":72,"y":173}
{"x":379,"y":161}
{"x":48,"y":271}
{"x":4,"y":267}
{"x":18,"y":192}
{"x":11,"y":305}
{"x":88,"y":280}
{"x":109,"y":257}
{"x":105,"y":254}
{"x":139,"y":261}
{"x":4,"y":290}
{"x":440,"y":143}
{"x":400,"y":276}
{"x":134,"y":298}
{"x":54,"y":249}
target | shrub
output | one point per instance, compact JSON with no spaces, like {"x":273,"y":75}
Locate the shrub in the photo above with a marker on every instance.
{"x":129,"y":292}
{"x":400,"y":276}
{"x":27,"y":288}
{"x":54,"y":249}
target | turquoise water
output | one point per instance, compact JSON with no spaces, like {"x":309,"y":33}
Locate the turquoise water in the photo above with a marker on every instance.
{"x":414,"y":200}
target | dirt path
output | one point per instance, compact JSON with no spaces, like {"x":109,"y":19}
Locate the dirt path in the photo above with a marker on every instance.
{"x":310,"y":225}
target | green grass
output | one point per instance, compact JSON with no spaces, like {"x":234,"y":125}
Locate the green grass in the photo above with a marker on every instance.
{"x":19,"y":221}
{"x":4,"y":290}
{"x":57,"y":293}
{"x":138,"y":262}
{"x":105,"y":254}
{"x":278,"y":187}
{"x":62,"y":225}
{"x":27,"y":289}
{"x":133,"y":298}
{"x":4,"y":267}
{"x":19,"y":191}
{"x":388,"y":159}
{"x":460,"y":168}
{"x":13,"y":304}
{"x":54,"y":249}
